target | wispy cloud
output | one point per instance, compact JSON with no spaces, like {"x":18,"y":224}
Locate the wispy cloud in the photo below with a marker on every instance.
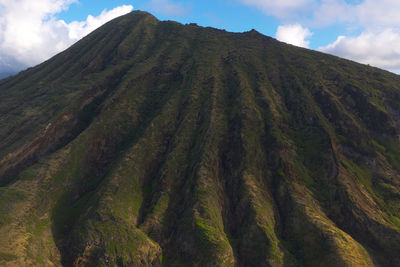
{"x":167,"y":7}
{"x":282,"y":9}
{"x":364,"y":13}
{"x":30,"y":32}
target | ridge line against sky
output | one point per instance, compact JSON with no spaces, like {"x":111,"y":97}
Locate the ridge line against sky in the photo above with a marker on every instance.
{"x":366,"y":31}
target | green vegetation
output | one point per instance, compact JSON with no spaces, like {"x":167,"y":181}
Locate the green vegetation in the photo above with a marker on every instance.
{"x":153,"y":143}
{"x":8,"y":200}
{"x":7,"y":257}
{"x":390,"y":149}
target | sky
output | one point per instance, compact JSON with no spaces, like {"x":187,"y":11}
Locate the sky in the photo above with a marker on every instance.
{"x":366,"y":31}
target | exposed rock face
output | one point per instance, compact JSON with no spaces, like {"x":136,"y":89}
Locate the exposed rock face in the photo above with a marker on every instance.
{"x":153,"y":143}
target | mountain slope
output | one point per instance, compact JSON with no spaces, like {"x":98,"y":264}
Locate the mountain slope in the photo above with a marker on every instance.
{"x":153,"y":143}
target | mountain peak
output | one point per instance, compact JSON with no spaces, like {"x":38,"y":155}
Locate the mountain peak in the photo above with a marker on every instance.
{"x":140,"y":14}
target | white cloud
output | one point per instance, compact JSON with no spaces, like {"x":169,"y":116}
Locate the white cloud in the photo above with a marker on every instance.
{"x":294,"y":34}
{"x":377,"y":13}
{"x":167,"y":7}
{"x":380,"y":49}
{"x":30,"y":33}
{"x":379,"y":20}
{"x":378,"y":44}
{"x":329,"y":12}
{"x":79,"y":29}
{"x":364,"y":13}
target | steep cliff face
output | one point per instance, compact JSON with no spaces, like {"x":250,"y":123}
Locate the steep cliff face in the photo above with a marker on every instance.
{"x":153,"y":143}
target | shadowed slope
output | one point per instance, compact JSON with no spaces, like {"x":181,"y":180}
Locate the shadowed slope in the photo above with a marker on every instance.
{"x":154,"y":143}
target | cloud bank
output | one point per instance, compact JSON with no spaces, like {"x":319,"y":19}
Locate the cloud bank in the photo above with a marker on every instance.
{"x":379,"y":42}
{"x":294,"y":34}
{"x":30,"y":33}
{"x":380,"y":49}
{"x":377,"y":20}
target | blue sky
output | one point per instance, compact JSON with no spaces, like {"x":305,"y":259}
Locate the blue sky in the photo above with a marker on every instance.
{"x":365,"y":31}
{"x":229,"y":15}
{"x":224,"y":14}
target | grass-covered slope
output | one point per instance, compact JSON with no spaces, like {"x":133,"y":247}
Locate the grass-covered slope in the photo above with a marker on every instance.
{"x":153,"y":143}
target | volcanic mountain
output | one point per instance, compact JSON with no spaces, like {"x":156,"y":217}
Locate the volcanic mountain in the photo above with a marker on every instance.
{"x":152,"y":143}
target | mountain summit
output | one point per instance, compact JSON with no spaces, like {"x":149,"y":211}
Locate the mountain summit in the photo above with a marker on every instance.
{"x":152,"y":143}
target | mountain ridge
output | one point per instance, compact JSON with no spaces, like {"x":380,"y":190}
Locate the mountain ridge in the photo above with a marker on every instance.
{"x":154,"y":143}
